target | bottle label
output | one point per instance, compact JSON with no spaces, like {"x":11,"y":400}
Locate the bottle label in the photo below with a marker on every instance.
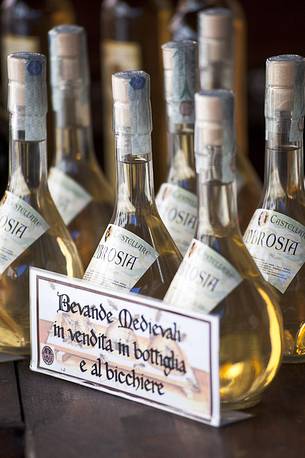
{"x":69,"y":197}
{"x":120,"y":259}
{"x":117,"y":56}
{"x":203,"y":279}
{"x":20,"y":226}
{"x":277,"y":245}
{"x":178,"y":210}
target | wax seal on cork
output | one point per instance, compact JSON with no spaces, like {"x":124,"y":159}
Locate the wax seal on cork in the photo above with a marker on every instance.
{"x":180,"y":75}
{"x":68,"y":53}
{"x":214,"y":134}
{"x":27,"y":93}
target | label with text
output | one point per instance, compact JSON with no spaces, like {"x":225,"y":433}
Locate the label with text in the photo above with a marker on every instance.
{"x":203,"y":279}
{"x":120,"y":259}
{"x":277,"y":245}
{"x":127,"y":345}
{"x":20,"y":226}
{"x":70,"y":197}
{"x":178,"y":210}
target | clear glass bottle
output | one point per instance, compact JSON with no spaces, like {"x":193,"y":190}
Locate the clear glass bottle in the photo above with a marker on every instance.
{"x":136,"y":252}
{"x":177,"y":199}
{"x":77,"y":184}
{"x":216,"y":61}
{"x":217,"y":274}
{"x":132,"y":32}
{"x":276,"y":234}
{"x":32,"y":232}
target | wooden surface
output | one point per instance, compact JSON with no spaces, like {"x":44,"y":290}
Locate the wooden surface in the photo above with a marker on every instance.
{"x":64,"y":420}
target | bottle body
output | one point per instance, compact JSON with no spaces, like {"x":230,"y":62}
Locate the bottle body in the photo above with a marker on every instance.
{"x":128,"y":44}
{"x":50,"y":249}
{"x":141,"y":258}
{"x":250,"y":320}
{"x":275,"y":240}
{"x":84,"y":200}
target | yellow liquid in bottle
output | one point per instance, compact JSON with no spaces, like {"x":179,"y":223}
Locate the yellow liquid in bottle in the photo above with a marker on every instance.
{"x":143,"y":220}
{"x":53,"y":251}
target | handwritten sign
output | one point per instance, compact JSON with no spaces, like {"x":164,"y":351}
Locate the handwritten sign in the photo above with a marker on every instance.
{"x":127,"y":345}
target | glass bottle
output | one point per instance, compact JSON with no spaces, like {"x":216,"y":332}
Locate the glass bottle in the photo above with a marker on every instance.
{"x":77,"y":184}
{"x":136,"y":253}
{"x":276,"y":234}
{"x":217,"y":274}
{"x":216,"y":61}
{"x":32,"y":232}
{"x":132,"y":32}
{"x":176,"y":199}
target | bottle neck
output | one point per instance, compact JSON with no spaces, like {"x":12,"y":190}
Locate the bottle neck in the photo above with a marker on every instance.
{"x":27,"y":166}
{"x":182,"y":159}
{"x":217,"y":75}
{"x":284,"y":169}
{"x":74,"y":139}
{"x":135,"y":188}
{"x":217,"y":209}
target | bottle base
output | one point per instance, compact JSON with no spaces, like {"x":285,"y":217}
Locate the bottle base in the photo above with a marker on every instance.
{"x":241,"y":404}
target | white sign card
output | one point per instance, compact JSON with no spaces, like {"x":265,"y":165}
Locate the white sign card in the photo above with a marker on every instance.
{"x":126,"y":345}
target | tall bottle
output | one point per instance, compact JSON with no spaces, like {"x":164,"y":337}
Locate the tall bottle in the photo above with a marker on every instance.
{"x":132,"y":32}
{"x":32,"y":232}
{"x":216,"y":61}
{"x":217,"y":274}
{"x":176,"y":199}
{"x":77,"y":184}
{"x":276,"y":234}
{"x":136,"y":253}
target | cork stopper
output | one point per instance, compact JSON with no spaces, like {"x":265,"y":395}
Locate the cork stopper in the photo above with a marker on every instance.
{"x":214,"y":134}
{"x":216,"y":23}
{"x":180,"y":74}
{"x":285,"y":84}
{"x":27,"y":94}
{"x":131,"y":98}
{"x":68,"y":55}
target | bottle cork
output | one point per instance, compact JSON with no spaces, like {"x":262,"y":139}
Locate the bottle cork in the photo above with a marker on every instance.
{"x":27,"y":94}
{"x":214,"y":135}
{"x":131,"y":98}
{"x":68,"y":55}
{"x":180,"y":74}
{"x":285,"y":85}
{"x":215,"y":36}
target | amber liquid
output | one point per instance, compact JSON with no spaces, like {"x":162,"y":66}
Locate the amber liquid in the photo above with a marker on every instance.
{"x":250,"y":319}
{"x":285,"y":194}
{"x":54,"y":250}
{"x":81,"y":165}
{"x":136,"y":211}
{"x":135,"y":29}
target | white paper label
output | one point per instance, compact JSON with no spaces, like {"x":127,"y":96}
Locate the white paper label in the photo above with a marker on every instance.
{"x":20,"y":226}
{"x":178,"y":210}
{"x":277,"y":245}
{"x":127,"y":345}
{"x":203,"y":279}
{"x":69,"y":197}
{"x":120,"y":259}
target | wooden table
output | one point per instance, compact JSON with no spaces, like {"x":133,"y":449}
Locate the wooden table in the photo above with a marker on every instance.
{"x":42,"y":417}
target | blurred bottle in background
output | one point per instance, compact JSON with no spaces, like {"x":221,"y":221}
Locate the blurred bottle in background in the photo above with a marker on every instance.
{"x":77,"y":184}
{"x":132,"y":32}
{"x":24,"y":27}
{"x":184,"y":26}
